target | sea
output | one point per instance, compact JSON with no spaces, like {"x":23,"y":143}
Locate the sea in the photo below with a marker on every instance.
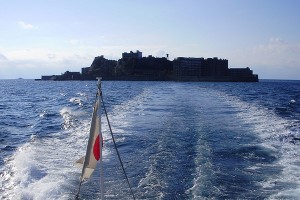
{"x":177,"y":140}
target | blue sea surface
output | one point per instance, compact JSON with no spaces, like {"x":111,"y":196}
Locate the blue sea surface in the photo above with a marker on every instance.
{"x":177,"y":140}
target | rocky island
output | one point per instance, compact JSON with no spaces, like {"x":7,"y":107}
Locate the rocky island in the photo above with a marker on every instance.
{"x":133,"y":67}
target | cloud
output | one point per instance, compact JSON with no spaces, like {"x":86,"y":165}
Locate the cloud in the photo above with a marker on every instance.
{"x":273,"y":58}
{"x":160,"y":53}
{"x":273,"y":40}
{"x":277,"y":52}
{"x":2,"y":57}
{"x":32,"y":63}
{"x":74,"y":42}
{"x":26,"y":26}
{"x":51,"y":56}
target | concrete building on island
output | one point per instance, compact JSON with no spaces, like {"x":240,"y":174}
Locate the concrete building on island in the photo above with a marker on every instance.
{"x":136,"y":55}
{"x":185,"y":69}
{"x":210,"y":69}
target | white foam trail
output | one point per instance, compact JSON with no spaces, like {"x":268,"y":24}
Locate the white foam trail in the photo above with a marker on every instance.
{"x":275,"y":134}
{"x":204,"y":169}
{"x":152,"y":184}
{"x":124,"y":115}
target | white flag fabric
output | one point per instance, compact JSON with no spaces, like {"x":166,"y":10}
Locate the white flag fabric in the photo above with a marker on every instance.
{"x":93,"y":148}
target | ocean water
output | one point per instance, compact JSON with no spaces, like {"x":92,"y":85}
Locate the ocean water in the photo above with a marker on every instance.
{"x":177,"y":140}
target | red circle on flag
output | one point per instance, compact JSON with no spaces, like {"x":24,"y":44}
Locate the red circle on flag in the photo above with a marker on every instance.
{"x":96,"y":149}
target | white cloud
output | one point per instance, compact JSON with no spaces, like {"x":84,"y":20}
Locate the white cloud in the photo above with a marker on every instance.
{"x":276,"y":41}
{"x":32,"y":63}
{"x":51,"y":56}
{"x":74,"y":42}
{"x":275,"y":53}
{"x":24,"y":25}
{"x":278,"y":52}
{"x":160,"y":53}
{"x":2,"y":57}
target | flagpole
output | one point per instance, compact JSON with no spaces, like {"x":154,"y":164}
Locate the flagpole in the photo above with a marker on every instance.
{"x":100,"y":140}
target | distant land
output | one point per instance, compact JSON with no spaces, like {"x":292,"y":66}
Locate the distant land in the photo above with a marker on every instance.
{"x":134,"y":67}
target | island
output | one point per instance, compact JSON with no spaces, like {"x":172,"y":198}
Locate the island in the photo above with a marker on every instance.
{"x":134,"y":67}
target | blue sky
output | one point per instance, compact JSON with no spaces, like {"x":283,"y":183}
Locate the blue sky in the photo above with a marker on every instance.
{"x":52,"y":36}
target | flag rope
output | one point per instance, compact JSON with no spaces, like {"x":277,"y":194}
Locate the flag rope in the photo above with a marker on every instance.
{"x":77,"y":195}
{"x":112,"y":136}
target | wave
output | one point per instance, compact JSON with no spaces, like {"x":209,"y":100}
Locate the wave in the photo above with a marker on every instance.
{"x":280,"y":136}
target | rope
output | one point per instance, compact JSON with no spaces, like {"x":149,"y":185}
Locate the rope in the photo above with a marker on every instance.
{"x":112,"y":136}
{"x":77,"y":195}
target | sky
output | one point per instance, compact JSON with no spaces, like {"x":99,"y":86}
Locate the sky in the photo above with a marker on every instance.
{"x":53,"y":36}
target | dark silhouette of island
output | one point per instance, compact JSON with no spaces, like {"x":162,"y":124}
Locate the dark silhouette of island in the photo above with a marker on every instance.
{"x":133,"y":67}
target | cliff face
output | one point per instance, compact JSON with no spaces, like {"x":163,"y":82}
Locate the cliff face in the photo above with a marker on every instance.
{"x":149,"y":68}
{"x":100,"y":67}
